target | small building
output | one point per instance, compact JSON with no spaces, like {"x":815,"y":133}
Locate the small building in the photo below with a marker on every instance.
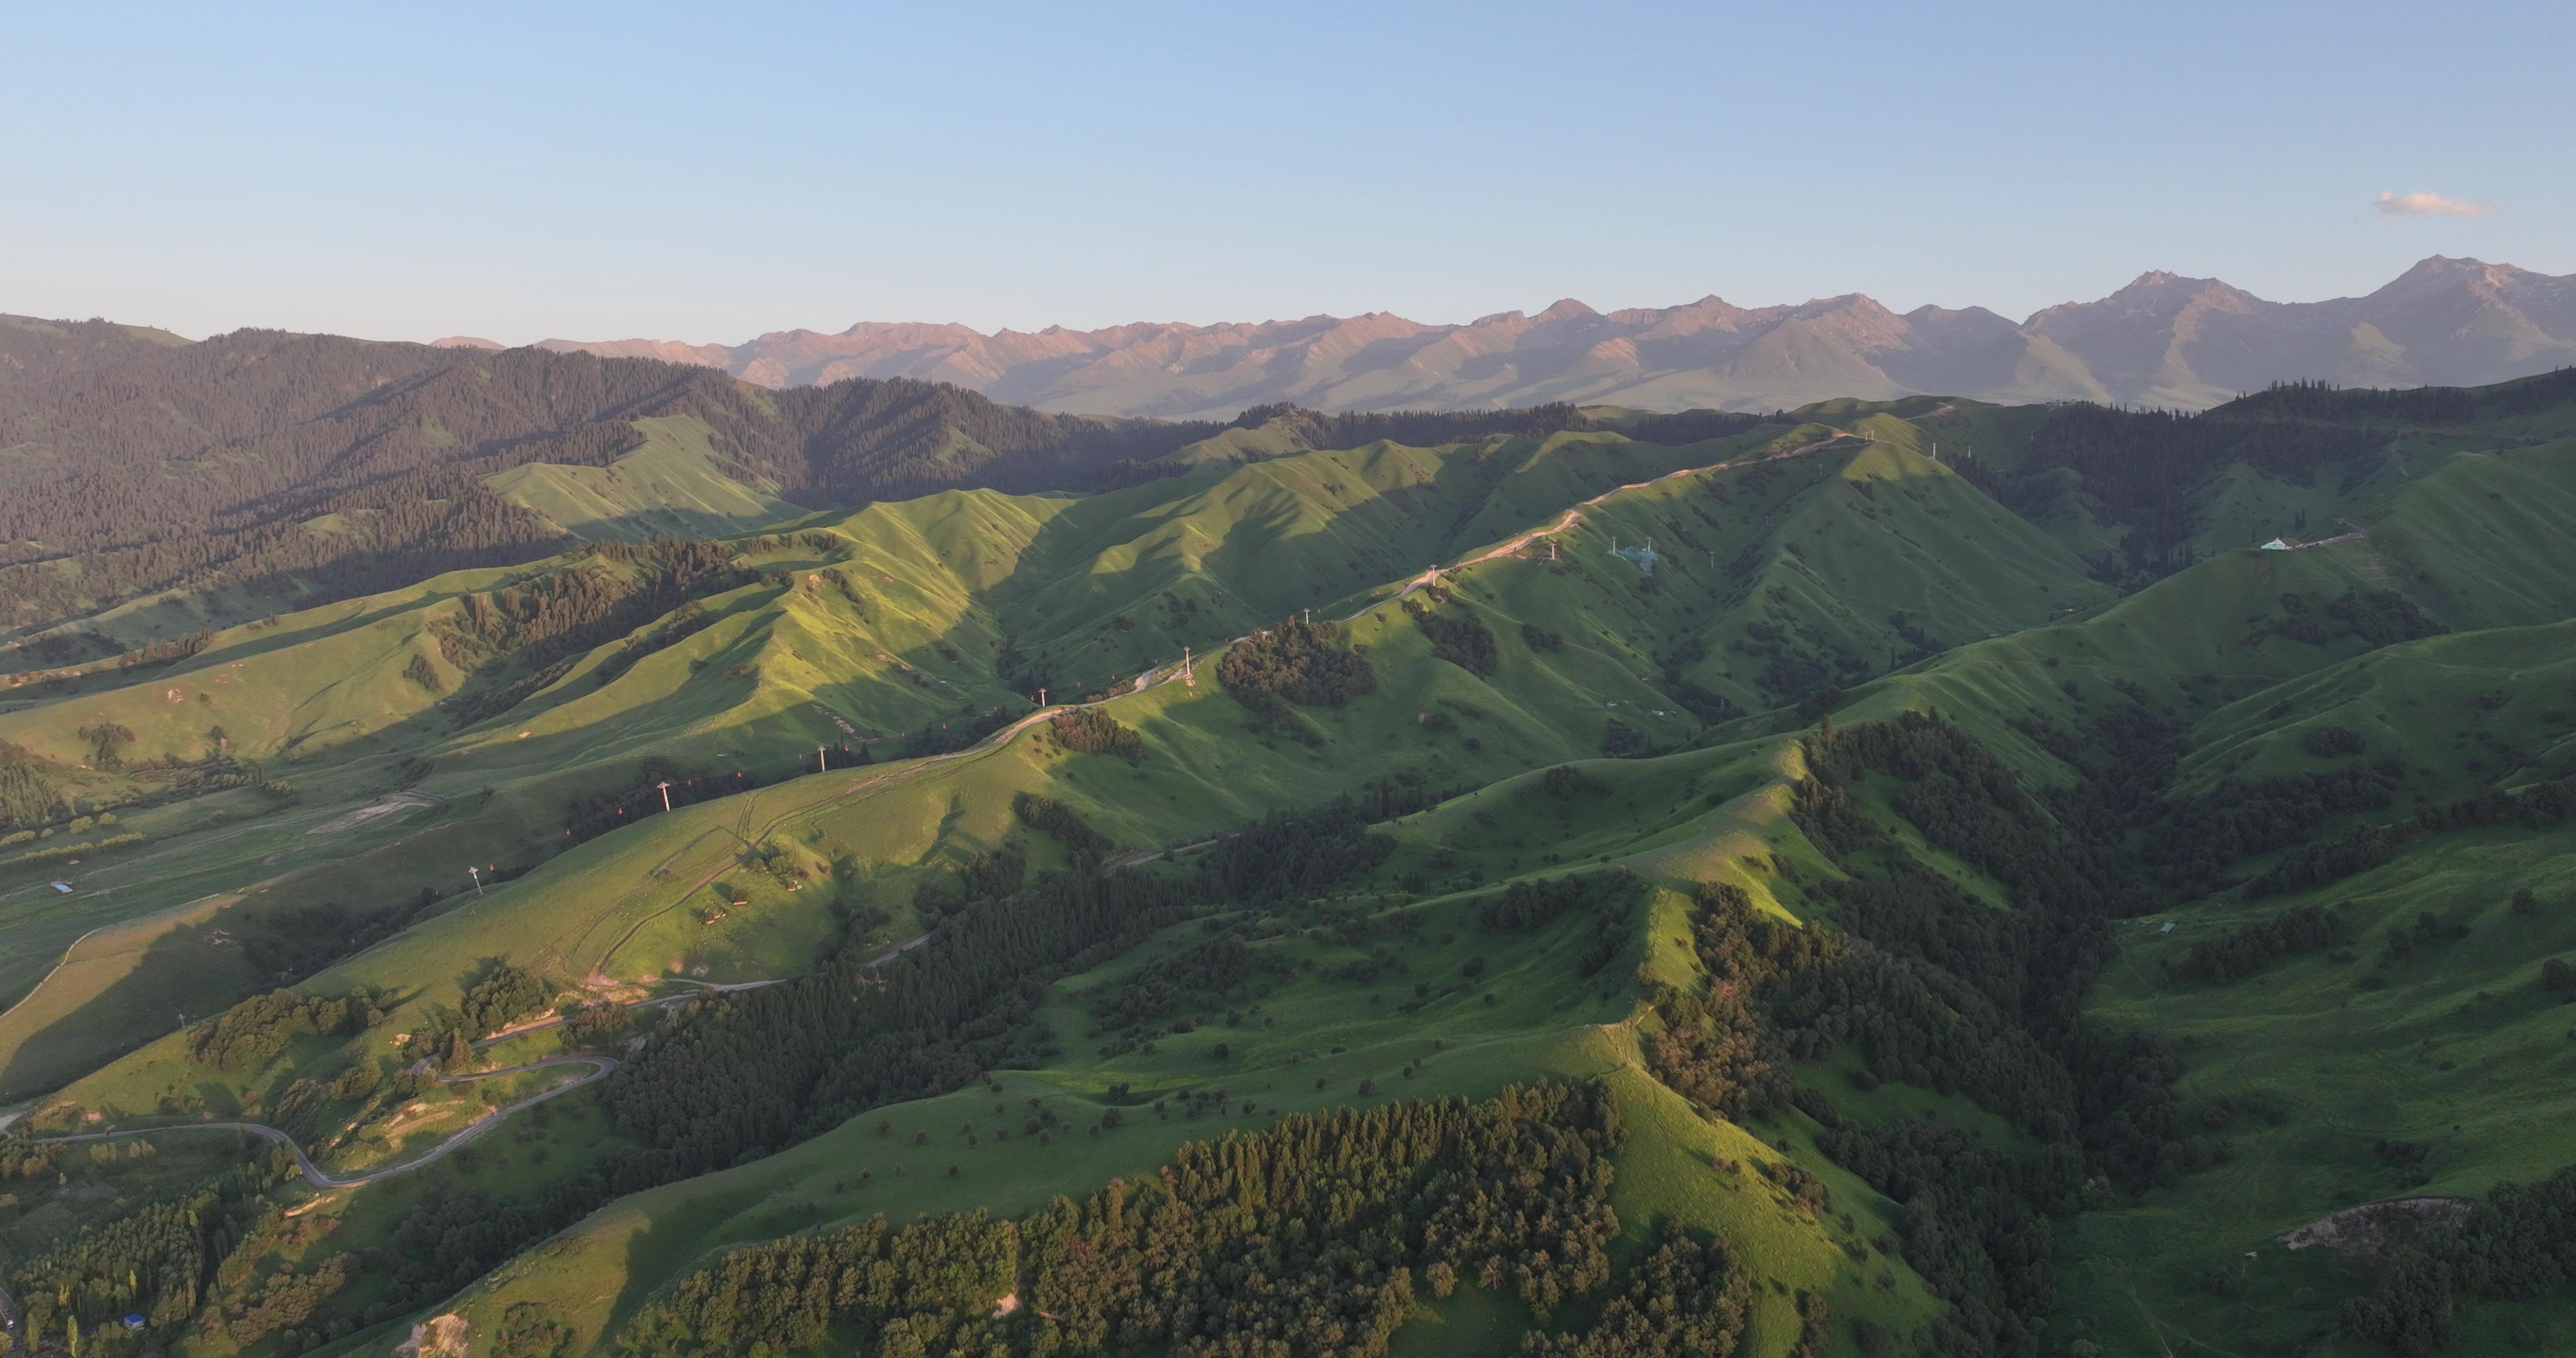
{"x":2276,"y":545}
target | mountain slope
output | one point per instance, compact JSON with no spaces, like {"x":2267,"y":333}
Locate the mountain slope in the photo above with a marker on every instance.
{"x":2021,"y":1006}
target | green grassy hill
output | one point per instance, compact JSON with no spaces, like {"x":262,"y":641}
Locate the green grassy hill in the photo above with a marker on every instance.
{"x":1995,"y":999}
{"x":895,"y":619}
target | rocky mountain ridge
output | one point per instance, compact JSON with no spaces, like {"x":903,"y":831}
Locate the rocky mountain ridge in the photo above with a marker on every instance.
{"x":2163,"y":340}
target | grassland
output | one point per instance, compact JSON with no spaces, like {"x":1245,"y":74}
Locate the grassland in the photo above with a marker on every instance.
{"x":1834,"y":562}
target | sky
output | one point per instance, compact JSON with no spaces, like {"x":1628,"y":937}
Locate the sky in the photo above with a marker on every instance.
{"x":713,"y":172}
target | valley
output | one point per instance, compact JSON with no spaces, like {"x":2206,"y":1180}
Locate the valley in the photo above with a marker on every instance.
{"x":1904,"y":875}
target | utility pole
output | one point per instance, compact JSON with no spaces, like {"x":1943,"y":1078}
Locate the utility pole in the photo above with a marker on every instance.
{"x":477,"y":874}
{"x":1189,"y":678}
{"x":666,"y":795}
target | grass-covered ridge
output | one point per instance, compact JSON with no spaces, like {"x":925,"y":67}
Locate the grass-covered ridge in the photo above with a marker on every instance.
{"x":1886,"y":1005}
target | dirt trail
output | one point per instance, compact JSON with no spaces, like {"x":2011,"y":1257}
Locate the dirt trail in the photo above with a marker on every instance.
{"x":1157,"y":676}
{"x":1571,"y":517}
{"x":600,"y":1066}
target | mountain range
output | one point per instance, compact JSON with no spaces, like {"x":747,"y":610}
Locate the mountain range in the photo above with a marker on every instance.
{"x":2163,"y":340}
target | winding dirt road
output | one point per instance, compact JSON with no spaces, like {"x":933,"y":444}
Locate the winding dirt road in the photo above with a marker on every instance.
{"x":319,"y":1178}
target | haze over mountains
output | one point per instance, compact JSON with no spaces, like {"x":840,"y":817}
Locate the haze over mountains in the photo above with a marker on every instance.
{"x":2163,"y":340}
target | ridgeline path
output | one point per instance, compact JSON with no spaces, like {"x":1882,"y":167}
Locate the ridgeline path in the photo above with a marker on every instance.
{"x":1162,"y":675}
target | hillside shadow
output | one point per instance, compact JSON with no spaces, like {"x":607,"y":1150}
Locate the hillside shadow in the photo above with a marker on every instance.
{"x":262,"y":642}
{"x":1377,"y":537}
{"x":178,"y":978}
{"x":186,"y":974}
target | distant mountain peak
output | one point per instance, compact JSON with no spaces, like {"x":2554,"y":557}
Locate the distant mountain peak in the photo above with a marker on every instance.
{"x":2164,"y":338}
{"x":464,"y":342}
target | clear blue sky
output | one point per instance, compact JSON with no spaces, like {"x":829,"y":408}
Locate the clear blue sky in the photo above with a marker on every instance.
{"x":710,"y":172}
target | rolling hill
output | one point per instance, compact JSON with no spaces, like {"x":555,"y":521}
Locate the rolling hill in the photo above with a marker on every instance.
{"x":1909,"y":876}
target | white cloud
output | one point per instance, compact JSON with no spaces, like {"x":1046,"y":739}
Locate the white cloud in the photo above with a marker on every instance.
{"x":2428,"y":205}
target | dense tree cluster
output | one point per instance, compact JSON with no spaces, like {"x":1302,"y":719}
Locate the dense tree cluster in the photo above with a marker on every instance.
{"x":1051,"y":817}
{"x":1302,"y":1238}
{"x":2143,"y":469}
{"x":2367,"y":846}
{"x":2130,"y":758}
{"x":1715,"y":1048}
{"x":2248,"y":948}
{"x":1088,"y":730}
{"x":1941,"y":990}
{"x":2318,"y":400}
{"x":921,"y":1288}
{"x":1462,"y":639}
{"x":502,"y":996}
{"x":1199,"y":979}
{"x":1937,"y":988}
{"x":1609,"y":899}
{"x":518,"y":639}
{"x":1415,"y":428}
{"x":163,"y":1259}
{"x":28,"y":797}
{"x":1686,"y":1297}
{"x":245,"y":1036}
{"x":1303,"y":662}
{"x":2517,"y":1244}
{"x":1697,"y":426}
{"x":1284,"y":857}
{"x":757,"y":1071}
{"x":287,"y":1299}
